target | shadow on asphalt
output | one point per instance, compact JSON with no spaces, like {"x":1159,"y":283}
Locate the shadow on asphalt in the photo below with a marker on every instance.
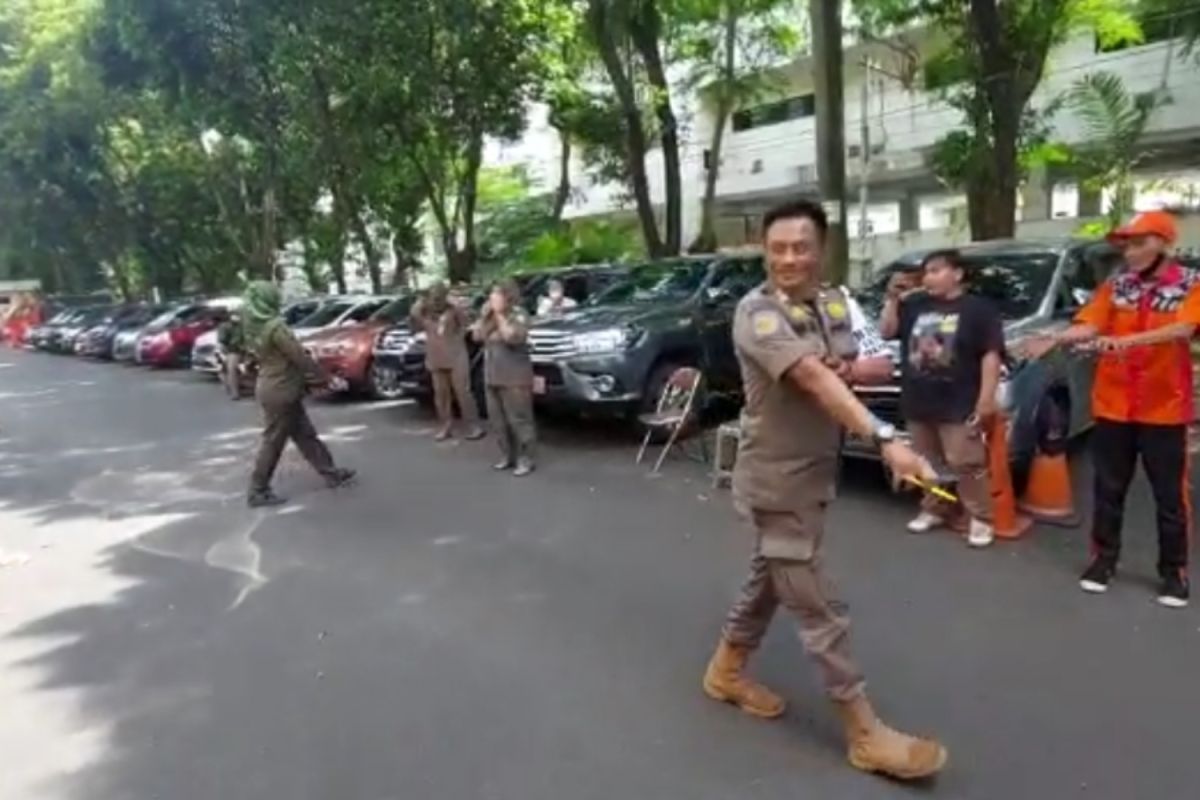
{"x":423,"y":655}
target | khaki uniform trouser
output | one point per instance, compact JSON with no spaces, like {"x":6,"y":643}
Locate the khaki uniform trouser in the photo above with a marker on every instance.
{"x":960,"y":448}
{"x":284,"y":420}
{"x":801,"y":586}
{"x":510,"y":412}
{"x":451,"y":386}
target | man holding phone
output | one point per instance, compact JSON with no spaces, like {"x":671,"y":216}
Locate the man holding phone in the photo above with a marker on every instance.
{"x":952,"y":349}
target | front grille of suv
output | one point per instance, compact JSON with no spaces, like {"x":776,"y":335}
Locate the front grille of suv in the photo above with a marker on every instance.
{"x":551,"y":344}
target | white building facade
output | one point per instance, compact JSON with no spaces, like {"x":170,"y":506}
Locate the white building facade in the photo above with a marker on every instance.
{"x":769,"y":150}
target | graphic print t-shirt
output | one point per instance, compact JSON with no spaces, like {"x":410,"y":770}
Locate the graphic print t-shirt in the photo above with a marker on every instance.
{"x":943,"y":343}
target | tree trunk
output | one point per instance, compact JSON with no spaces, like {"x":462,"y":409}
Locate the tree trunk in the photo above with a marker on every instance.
{"x":469,"y":199}
{"x":631,"y":117}
{"x":646,"y":32}
{"x":312,"y":269}
{"x":370,"y":251}
{"x":563,"y":193}
{"x":707,"y":241}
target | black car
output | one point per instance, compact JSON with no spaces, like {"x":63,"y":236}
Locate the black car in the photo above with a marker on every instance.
{"x":97,"y":341}
{"x":399,"y":355}
{"x":613,"y":356}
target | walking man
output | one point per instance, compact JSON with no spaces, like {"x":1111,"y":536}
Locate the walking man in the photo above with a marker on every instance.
{"x":952,"y":349}
{"x":1141,"y":321}
{"x":445,"y":326}
{"x":795,"y":343}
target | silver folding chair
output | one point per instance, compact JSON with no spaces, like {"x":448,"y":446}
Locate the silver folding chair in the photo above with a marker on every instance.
{"x":674,"y":413}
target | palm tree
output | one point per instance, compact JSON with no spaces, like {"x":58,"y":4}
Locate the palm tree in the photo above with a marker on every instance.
{"x":1116,"y":121}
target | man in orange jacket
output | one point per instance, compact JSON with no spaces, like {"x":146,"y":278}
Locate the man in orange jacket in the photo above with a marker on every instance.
{"x":1141,"y":321}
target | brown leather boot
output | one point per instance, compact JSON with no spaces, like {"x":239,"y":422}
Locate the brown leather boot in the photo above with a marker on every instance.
{"x":874,"y":747}
{"x":724,"y":680}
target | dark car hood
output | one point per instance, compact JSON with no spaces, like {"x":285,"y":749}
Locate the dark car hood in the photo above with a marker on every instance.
{"x":597,"y":317}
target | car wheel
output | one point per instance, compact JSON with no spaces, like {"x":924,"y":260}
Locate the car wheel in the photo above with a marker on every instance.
{"x":385,"y":382}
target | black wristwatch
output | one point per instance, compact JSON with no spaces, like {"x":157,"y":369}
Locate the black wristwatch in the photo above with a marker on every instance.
{"x":884,"y":433}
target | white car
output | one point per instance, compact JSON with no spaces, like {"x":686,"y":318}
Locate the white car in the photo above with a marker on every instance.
{"x":206,"y":355}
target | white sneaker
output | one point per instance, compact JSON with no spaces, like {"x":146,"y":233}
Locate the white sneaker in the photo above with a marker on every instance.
{"x":980,"y":534}
{"x":925,"y":522}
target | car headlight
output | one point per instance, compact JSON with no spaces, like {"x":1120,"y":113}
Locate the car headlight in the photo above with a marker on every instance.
{"x":610,"y":340}
{"x":419,"y":338}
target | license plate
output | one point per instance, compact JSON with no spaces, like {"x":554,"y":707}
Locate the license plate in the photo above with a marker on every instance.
{"x":539,"y":384}
{"x":338,"y":384}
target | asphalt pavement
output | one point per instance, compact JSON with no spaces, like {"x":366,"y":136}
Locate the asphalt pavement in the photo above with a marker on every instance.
{"x":440,"y":632}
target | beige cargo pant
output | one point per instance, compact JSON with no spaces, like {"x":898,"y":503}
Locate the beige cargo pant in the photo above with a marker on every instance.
{"x":959,"y":448}
{"x":800,"y":585}
{"x":452,"y":386}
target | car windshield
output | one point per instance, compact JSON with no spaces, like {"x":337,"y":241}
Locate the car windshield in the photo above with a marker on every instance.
{"x":395,"y":311}
{"x":656,"y":282}
{"x":296,"y":312}
{"x":364,"y":311}
{"x":325,"y":315}
{"x":180,"y":313}
{"x":1015,"y":282}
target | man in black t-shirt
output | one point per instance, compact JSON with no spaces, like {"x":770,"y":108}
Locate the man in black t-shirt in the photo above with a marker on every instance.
{"x":952,"y":348}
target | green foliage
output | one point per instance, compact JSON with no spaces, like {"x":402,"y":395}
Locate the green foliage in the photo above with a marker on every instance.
{"x":1116,"y":122}
{"x":992,"y":59}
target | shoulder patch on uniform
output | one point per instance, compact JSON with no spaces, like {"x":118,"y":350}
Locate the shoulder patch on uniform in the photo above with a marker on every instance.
{"x":798,"y":313}
{"x":836,"y":309}
{"x":765,"y":322}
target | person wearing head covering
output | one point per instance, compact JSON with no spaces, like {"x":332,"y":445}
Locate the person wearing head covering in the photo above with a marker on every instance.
{"x":508,"y":374}
{"x":1141,"y":321}
{"x":285,"y":371}
{"x":445,"y":325}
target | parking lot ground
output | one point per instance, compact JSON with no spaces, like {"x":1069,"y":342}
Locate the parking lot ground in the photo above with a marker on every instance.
{"x":440,"y":632}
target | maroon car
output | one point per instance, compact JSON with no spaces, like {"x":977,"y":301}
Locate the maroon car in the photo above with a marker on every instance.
{"x":167,"y":341}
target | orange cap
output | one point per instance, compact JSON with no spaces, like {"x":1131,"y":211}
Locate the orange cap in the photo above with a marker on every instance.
{"x":1148,"y":223}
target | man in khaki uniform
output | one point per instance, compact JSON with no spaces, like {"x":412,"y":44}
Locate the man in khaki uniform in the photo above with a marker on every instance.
{"x":795,"y":344}
{"x":445,"y":326}
{"x":508,"y":375}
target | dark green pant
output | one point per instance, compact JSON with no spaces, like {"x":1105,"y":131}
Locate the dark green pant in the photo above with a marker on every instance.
{"x":283,"y":421}
{"x":510,"y":412}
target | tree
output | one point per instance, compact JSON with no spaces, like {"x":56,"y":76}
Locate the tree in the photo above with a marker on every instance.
{"x":1116,"y":122}
{"x":439,"y":78}
{"x":610,"y":25}
{"x":730,"y":44}
{"x":993,"y":59}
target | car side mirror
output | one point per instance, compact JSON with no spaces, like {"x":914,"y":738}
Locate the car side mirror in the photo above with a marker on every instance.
{"x":716,"y":296}
{"x":1081,"y":296}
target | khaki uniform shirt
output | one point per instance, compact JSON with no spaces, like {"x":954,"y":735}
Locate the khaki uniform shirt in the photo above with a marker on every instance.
{"x":506,"y":362}
{"x":788,"y":457}
{"x":445,"y":342}
{"x":284,"y":368}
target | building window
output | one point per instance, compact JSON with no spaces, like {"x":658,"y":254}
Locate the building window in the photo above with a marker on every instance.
{"x":774,"y":113}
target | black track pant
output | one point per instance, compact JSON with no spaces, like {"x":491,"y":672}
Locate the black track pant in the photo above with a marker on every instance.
{"x":1164,"y":455}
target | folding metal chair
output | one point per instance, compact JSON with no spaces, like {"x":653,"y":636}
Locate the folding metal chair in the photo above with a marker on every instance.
{"x":674,"y":412}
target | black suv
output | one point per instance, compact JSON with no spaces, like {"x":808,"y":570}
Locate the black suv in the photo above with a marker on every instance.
{"x":399,"y":355}
{"x":613,"y":356}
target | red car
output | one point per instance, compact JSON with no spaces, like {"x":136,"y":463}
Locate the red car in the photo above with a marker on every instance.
{"x":167,"y":341}
{"x":345,"y":351}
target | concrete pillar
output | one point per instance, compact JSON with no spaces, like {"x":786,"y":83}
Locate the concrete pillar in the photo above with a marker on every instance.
{"x":1036,"y":195}
{"x":910,"y":212}
{"x":1089,"y":202}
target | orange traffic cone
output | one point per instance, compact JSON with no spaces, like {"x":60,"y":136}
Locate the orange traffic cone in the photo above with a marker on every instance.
{"x":1006,"y":521}
{"x":1048,"y":496}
